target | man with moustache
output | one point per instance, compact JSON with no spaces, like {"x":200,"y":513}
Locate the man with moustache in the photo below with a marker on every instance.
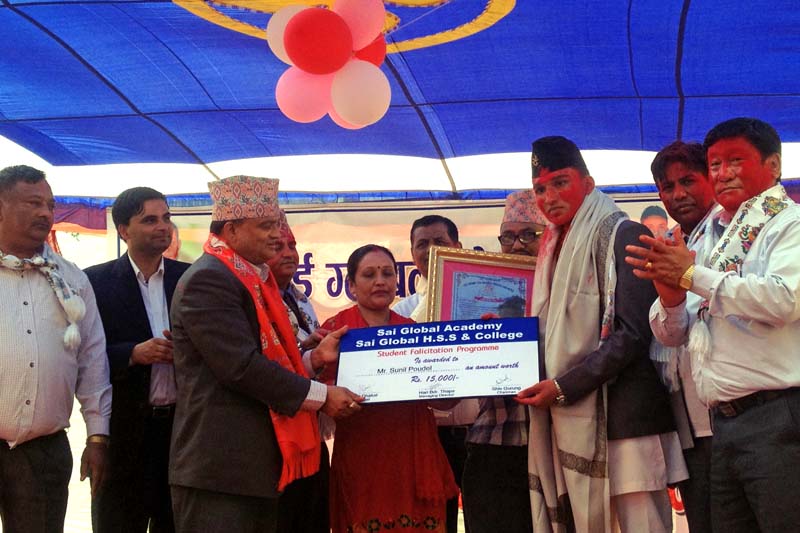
{"x":303,"y":506}
{"x":743,"y":335}
{"x":496,"y":496}
{"x":134,"y":294}
{"x":602,"y":445}
{"x":452,"y":424}
{"x":245,"y":418}
{"x":53,"y":350}
{"x":681,"y":176}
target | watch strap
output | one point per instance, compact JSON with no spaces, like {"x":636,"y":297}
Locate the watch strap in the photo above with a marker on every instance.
{"x":687,"y":278}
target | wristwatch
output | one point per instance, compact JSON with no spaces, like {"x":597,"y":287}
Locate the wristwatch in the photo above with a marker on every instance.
{"x":685,"y":282}
{"x":560,"y":398}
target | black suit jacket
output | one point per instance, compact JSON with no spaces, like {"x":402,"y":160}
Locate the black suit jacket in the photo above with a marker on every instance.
{"x":125,"y":322}
{"x":638,"y":403}
{"x":223,"y":439}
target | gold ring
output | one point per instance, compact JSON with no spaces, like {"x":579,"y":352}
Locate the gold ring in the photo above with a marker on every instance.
{"x":352,"y":404}
{"x":649,"y":265}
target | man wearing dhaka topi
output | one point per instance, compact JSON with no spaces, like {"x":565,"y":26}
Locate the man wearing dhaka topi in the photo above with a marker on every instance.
{"x":245,"y":418}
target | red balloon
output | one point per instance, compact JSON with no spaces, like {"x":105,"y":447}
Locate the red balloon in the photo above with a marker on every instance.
{"x":374,"y":52}
{"x":318,"y":41}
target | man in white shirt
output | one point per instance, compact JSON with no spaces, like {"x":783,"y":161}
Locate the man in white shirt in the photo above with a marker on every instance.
{"x":53,"y":350}
{"x":436,"y":230}
{"x":133,"y":295}
{"x":680,"y":172}
{"x":744,"y":338}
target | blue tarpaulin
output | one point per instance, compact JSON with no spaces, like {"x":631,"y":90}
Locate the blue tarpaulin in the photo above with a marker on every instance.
{"x":87,"y":82}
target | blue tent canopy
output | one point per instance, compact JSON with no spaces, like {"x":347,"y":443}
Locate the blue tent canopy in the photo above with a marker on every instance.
{"x":87,"y":82}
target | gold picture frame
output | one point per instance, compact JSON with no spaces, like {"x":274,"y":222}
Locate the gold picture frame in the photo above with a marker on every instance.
{"x":467,"y":284}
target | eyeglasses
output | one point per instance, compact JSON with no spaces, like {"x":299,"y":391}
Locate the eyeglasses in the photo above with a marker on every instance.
{"x":526,"y":237}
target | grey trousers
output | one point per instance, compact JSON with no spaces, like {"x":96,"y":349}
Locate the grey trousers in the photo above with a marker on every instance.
{"x":204,"y":511}
{"x":34,"y":478}
{"x":755,"y":468}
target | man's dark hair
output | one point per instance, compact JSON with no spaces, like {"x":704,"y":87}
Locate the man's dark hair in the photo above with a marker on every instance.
{"x":756,"y":132}
{"x":654,"y":211}
{"x":12,"y":175}
{"x":693,"y":155}
{"x":131,"y":202}
{"x":216,"y":226}
{"x":430,"y":220}
{"x":359,"y":253}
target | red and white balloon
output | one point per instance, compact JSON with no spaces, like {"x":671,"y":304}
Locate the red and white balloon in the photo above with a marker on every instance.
{"x":334,"y":57}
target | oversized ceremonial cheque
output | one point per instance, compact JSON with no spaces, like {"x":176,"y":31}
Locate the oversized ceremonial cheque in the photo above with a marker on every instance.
{"x":438,"y":360}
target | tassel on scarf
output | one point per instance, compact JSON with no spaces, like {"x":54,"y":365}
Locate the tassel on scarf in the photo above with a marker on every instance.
{"x":75,"y":309}
{"x":666,"y":359}
{"x":700,"y":341}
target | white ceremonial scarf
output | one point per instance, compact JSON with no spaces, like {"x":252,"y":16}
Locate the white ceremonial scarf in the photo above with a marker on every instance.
{"x":668,"y":357}
{"x":727,"y":255}
{"x":567,"y":448}
{"x":71,"y":302}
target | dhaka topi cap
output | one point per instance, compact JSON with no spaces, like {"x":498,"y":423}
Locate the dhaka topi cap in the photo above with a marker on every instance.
{"x":286,"y":231}
{"x":521,"y":207}
{"x":240,"y":197}
{"x":554,"y":153}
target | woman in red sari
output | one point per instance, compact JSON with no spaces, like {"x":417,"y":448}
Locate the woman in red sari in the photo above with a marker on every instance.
{"x":388,"y":470}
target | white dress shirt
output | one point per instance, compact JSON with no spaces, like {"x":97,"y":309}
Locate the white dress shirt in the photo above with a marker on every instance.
{"x":163,"y":390}
{"x":407,"y":305}
{"x":39,"y":376}
{"x":754,"y":318}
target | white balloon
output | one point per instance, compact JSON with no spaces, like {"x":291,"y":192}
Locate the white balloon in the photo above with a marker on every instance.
{"x":275,"y":28}
{"x":360,"y":93}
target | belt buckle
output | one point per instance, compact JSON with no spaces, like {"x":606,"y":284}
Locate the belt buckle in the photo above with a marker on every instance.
{"x":727,"y":409}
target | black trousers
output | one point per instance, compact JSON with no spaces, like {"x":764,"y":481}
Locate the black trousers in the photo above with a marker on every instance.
{"x":453,"y":440}
{"x":140,"y":499}
{"x":204,"y":511}
{"x":34,"y":478}
{"x":303,"y":506}
{"x":495,"y":489}
{"x":755,"y":468}
{"x":696,"y":491}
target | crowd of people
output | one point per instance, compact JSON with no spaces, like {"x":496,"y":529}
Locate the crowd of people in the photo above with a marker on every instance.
{"x":208,"y":390}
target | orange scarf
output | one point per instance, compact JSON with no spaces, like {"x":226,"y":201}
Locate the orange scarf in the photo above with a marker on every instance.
{"x":298,"y":436}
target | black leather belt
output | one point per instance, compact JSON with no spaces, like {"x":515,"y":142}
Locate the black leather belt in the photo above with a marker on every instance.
{"x":740,"y":405}
{"x":162,"y":411}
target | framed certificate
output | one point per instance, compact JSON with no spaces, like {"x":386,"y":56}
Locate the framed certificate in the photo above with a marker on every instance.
{"x":467,"y":284}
